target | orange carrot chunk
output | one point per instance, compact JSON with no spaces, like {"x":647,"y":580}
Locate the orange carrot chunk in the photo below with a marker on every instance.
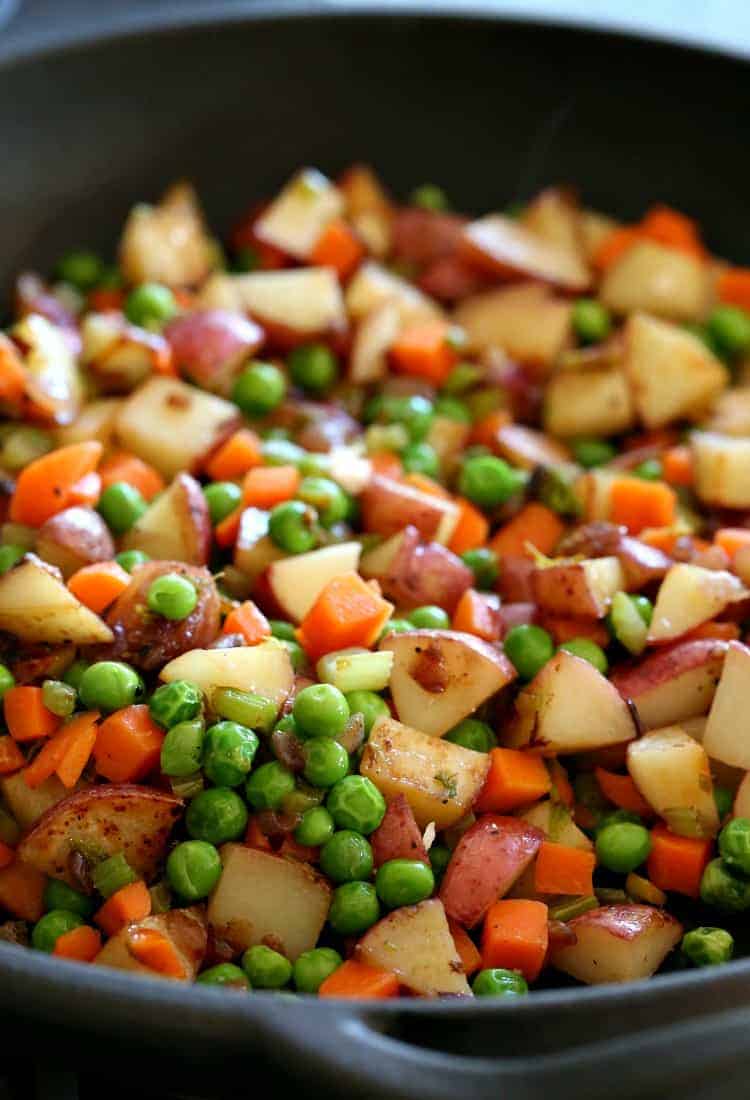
{"x":622,"y":792}
{"x":473,"y":615}
{"x":128,"y":745}
{"x":466,"y":949}
{"x":85,"y":492}
{"x":387,"y":464}
{"x":672,"y":229}
{"x":266,"y":486}
{"x":637,"y":504}
{"x":12,"y":372}
{"x":425,"y":350}
{"x":732,"y":539}
{"x":128,"y":904}
{"x":249,"y":621}
{"x":338,"y":247}
{"x":226,"y":532}
{"x":99,"y":584}
{"x":26,"y":716}
{"x":515,"y":936}
{"x":356,"y":980}
{"x":676,"y":862}
{"x":472,"y":528}
{"x":11,"y":757}
{"x":80,"y":738}
{"x":563,"y":870}
{"x":733,"y":286}
{"x":82,"y":944}
{"x":514,"y":779}
{"x":561,"y":789}
{"x":677,"y":466}
{"x":134,"y":471}
{"x":241,"y":452}
{"x":43,"y":487}
{"x":156,"y":951}
{"x":535,"y":525}
{"x":348,"y":612}
{"x":22,"y":890}
{"x":615,"y":245}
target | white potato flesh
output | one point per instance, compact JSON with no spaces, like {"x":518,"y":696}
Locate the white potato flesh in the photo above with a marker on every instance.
{"x":297,"y":581}
{"x":557,"y":825}
{"x":505,"y":246}
{"x":722,"y":469}
{"x":674,"y":685}
{"x":167,"y":243}
{"x":617,"y":943}
{"x":306,"y":301}
{"x":588,"y":402}
{"x":264,"y":669}
{"x":176,"y":527}
{"x":727,"y":734}
{"x":295,"y":220}
{"x":578,"y":588}
{"x":95,"y":421}
{"x":657,"y":280}
{"x":730,"y":414}
{"x":184,"y":928}
{"x":372,"y":285}
{"x":53,"y":381}
{"x":554,"y":216}
{"x":527,"y":448}
{"x":27,"y":804}
{"x":35,"y":606}
{"x":690,"y":595}
{"x":448,"y":438}
{"x":526,"y":321}
{"x":672,"y":772}
{"x":372,"y":341}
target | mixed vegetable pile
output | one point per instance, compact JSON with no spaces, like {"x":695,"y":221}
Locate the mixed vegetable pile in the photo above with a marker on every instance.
{"x":373,"y":594}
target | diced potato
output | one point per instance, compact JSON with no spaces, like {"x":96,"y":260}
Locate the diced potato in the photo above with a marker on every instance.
{"x":263,"y":898}
{"x":73,"y":538}
{"x":502,"y":246}
{"x":297,"y":581}
{"x":27,"y":804}
{"x":554,"y":217}
{"x":95,"y":421}
{"x":36,"y":606}
{"x":672,"y":772}
{"x":167,"y":243}
{"x":617,"y":943}
{"x":727,"y":734}
{"x":557,"y":825}
{"x":448,"y":438}
{"x":578,"y":589}
{"x":298,"y":216}
{"x":255,"y":550}
{"x":118,"y":354}
{"x":303,"y":301}
{"x":690,"y":595}
{"x":550,"y":715}
{"x":53,"y":381}
{"x":441,"y":676}
{"x":373,"y":339}
{"x":176,"y":526}
{"x":416,"y":945}
{"x":388,"y":506}
{"x":368,"y":208}
{"x":527,"y":448}
{"x":595,"y":228}
{"x":730,"y":414}
{"x":440,"y":780}
{"x":722,"y":469}
{"x":658,"y":280}
{"x":172,"y":425}
{"x":588,"y":403}
{"x":526,"y":321}
{"x":676,"y":684}
{"x":184,"y":928}
{"x":265,"y":669}
{"x":373,"y":284}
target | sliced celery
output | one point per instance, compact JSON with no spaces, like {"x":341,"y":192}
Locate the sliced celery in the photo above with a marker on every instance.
{"x":627,"y":623}
{"x":356,"y":670}
{"x":573,"y":907}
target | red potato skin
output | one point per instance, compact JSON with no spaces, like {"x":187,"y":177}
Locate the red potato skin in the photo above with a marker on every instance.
{"x":82,"y":531}
{"x":515,"y":581}
{"x":398,"y":836}
{"x":149,"y":641}
{"x":449,"y":279}
{"x":33,"y":296}
{"x":209,"y":346}
{"x":388,"y":507}
{"x":425,"y":573}
{"x":486,"y":862}
{"x":625,"y":922}
{"x":641,"y":564}
{"x":424,"y":236}
{"x":563,"y":590}
{"x":517,"y":614}
{"x":665,"y":665}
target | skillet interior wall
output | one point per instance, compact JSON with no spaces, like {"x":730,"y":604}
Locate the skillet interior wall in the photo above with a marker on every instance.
{"x":491,"y":111}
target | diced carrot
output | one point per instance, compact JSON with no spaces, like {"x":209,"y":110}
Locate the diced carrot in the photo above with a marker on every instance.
{"x":536,"y":525}
{"x":255,"y":837}
{"x":99,"y":584}
{"x":348,"y":612}
{"x":560,"y":869}
{"x":356,"y":980}
{"x":427,"y":485}
{"x":485,"y":430}
{"x":85,"y":492}
{"x":472,"y":528}
{"x":338,"y":247}
{"x":7,"y":855}
{"x":303,"y":852}
{"x":672,"y":229}
{"x":387,"y":464}
{"x":733,"y":286}
{"x":43,"y":487}
{"x":466,"y":949}
{"x":732,"y":539}
{"x":615,"y":245}
{"x":105,"y":298}
{"x":128,"y":904}
{"x":424,"y":350}
{"x":128,"y":745}
{"x":622,"y":792}
{"x":241,"y":452}
{"x":637,"y":503}
{"x":661,"y":538}
{"x":515,"y":936}
{"x":561,"y":789}
{"x":722,"y":632}
{"x":11,"y":757}
{"x":677,"y":466}
{"x":677,"y":863}
{"x":12,"y":372}
{"x":46,"y":761}
{"x":563,"y":629}
{"x":22,"y":890}
{"x":156,"y":951}
{"x":514,"y":778}
{"x":249,"y":621}
{"x":80,"y":738}
{"x":82,"y":944}
{"x":134,"y":471}
{"x":473,"y":615}
{"x":226,"y":532}
{"x":266,"y":486}
{"x":26,"y":716}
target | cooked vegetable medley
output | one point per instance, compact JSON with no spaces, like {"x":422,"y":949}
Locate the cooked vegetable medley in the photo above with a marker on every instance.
{"x":374,"y":600}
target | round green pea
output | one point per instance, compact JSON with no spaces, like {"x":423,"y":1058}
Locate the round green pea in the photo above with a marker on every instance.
{"x":450,"y":408}
{"x":593,"y":452}
{"x":58,"y":895}
{"x":10,"y":556}
{"x":415,"y":412}
{"x":588,"y":651}
{"x":292,"y":526}
{"x":182,"y":748}
{"x":172,"y":596}
{"x":315,"y":828}
{"x":131,"y":559}
{"x":313,"y":967}
{"x":326,"y":761}
{"x":650,"y":470}
{"x":327,"y":498}
{"x":616,"y":817}
{"x":74,"y":674}
{"x":297,"y":655}
{"x":266,"y":968}
{"x":178,"y":701}
{"x":529,"y":648}
{"x":222,"y":497}
{"x":428,"y":196}
{"x":120,"y":506}
{"x":421,"y":458}
{"x":282,"y":630}
{"x":224,"y":974}
{"x":82,"y":269}
{"x":228,"y":753}
{"x":51,"y":926}
{"x":430,"y":617}
{"x":404,"y":882}
{"x":354,"y":908}
{"x":472,"y":734}
{"x":499,"y":982}
{"x":440,"y":857}
{"x":370,"y":705}
{"x":109,"y":685}
{"x":356,"y":803}
{"x":321,"y":710}
{"x":150,"y":305}
{"x":347,"y":857}
{"x":7,"y":680}
{"x":488,"y":481}
{"x":268,"y":785}
{"x":707,"y":946}
{"x":216,"y":815}
{"x":734,"y":845}
{"x":622,"y":846}
{"x":282,"y":452}
{"x":259,"y":389}
{"x":724,"y":800}
{"x":313,"y":367}
{"x":483,"y":564}
{"x":591,"y":321}
{"x":724,"y":889}
{"x":729,"y":330}
{"x":396,"y":626}
{"x":193,"y":869}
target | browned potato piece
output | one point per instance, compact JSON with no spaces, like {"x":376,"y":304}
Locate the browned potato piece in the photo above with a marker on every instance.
{"x":676,"y":684}
{"x":27,"y":804}
{"x":526,"y":321}
{"x":578,"y":589}
{"x":300,"y":302}
{"x":74,"y":538}
{"x":102,"y":821}
{"x":167,"y":243}
{"x":588,"y":402}
{"x":502,"y":246}
{"x":389,"y":506}
{"x":264,"y":668}
{"x":658,"y":280}
{"x":690,"y":595}
{"x":722,"y":469}
{"x":617,"y":943}
{"x":176,"y":526}
{"x":527,"y":448}
{"x":184,"y":928}
{"x":672,"y":772}
{"x":95,"y":421}
{"x":36,"y":606}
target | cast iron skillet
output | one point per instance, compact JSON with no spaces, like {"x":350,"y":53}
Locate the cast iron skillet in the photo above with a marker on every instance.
{"x":234,"y":97}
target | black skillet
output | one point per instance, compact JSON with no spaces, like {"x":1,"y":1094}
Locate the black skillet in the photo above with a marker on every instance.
{"x":101,"y":105}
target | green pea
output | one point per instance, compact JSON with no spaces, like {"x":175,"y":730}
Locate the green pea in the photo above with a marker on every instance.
{"x":297,"y":655}
{"x":222,"y":497}
{"x":315,"y":465}
{"x":707,"y":946}
{"x":326,"y":497}
{"x":7,"y":680}
{"x":428,"y":196}
{"x":47,"y":931}
{"x":356,"y":803}
{"x":440,"y":857}
{"x":499,"y":982}
{"x":588,"y":651}
{"x":593,"y":452}
{"x":644,"y":607}
{"x":120,"y":506}
{"x":488,"y":481}
{"x":266,"y":968}
{"x":251,"y":710}
{"x":228,"y":755}
{"x":724,"y":889}
{"x":415,"y":412}
{"x":172,"y":596}
{"x":313,"y":967}
{"x":591,"y":321}
{"x":396,"y":626}
{"x":268,"y":785}
{"x":178,"y":701}
{"x":370,"y":705}
{"x":450,"y":408}
{"x":302,"y":798}
{"x":10,"y":556}
{"x":472,"y":734}
{"x":112,"y":874}
{"x":724,"y":800}
{"x":650,"y":470}
{"x":430,"y":617}
{"x":623,"y":846}
{"x":326,"y":761}
{"x":404,"y":882}
{"x":616,"y":817}
{"x":282,"y":452}
{"x":483,"y":564}
{"x":313,"y":367}
{"x":182,"y":749}
{"x":315,"y":828}
{"x":321,"y":710}
{"x":109,"y":685}
{"x":58,"y":895}
{"x":259,"y":389}
{"x":729,"y":330}
{"x":193,"y":869}
{"x":347,"y":857}
{"x":292,"y":526}
{"x":224,"y":974}
{"x":59,"y":697}
{"x":216,"y":815}
{"x":74,"y":674}
{"x":150,"y":305}
{"x":463,"y":377}
{"x":421,"y":458}
{"x":81,"y":269}
{"x":734,"y":845}
{"x":354,"y":908}
{"x":529,"y":648}
{"x":131,"y":559}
